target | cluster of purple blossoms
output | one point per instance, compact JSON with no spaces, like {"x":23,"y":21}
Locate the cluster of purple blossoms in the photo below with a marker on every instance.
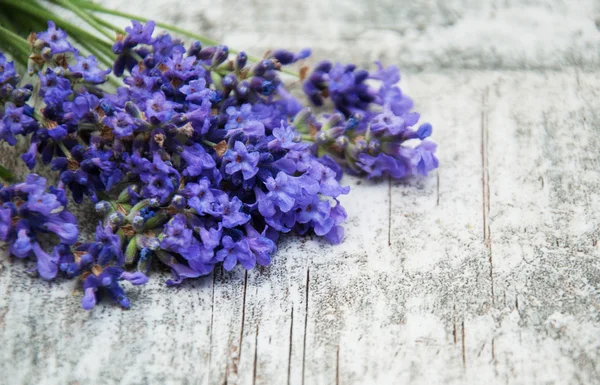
{"x":373,"y":131}
{"x":198,"y":160}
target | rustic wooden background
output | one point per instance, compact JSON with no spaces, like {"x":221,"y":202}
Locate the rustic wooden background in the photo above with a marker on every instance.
{"x":487,"y":271}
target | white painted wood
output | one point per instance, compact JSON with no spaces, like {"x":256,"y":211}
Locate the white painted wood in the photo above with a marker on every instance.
{"x":485,"y":272}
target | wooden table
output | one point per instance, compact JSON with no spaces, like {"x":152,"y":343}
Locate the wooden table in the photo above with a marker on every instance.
{"x":486,"y":272}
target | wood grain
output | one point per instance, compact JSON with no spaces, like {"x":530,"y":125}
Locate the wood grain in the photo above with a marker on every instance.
{"x":485,"y":272}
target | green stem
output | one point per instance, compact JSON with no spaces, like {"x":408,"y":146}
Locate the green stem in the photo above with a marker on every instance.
{"x":85,"y":16}
{"x":96,"y":52}
{"x":108,"y":25}
{"x":98,"y":8}
{"x":16,"y":41}
{"x":64,"y":149}
{"x":39,"y":12}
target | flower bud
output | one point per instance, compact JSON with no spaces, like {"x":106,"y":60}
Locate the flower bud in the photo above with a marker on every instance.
{"x":178,"y":202}
{"x":116,"y":219}
{"x":263,"y":66}
{"x":242,"y":89}
{"x":361,"y":145}
{"x":336,"y":131}
{"x":195,"y":49}
{"x":145,"y":260}
{"x":342,"y":142}
{"x":102,"y":207}
{"x":221,"y":54}
{"x":334,"y":120}
{"x":374,"y":146}
{"x":46,"y":53}
{"x":132,"y":109}
{"x":322,"y":137}
{"x":241,"y":60}
{"x":131,"y":251}
{"x":138,"y":223}
{"x":301,"y":120}
{"x":20,"y":96}
{"x":229,"y":81}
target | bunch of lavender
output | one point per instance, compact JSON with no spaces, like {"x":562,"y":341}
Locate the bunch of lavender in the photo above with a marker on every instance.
{"x":199,"y":159}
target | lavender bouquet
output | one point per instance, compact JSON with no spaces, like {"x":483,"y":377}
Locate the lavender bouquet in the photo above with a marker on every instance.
{"x":192,"y":156}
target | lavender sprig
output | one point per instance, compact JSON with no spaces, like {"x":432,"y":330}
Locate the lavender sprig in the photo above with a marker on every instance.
{"x":198,"y":160}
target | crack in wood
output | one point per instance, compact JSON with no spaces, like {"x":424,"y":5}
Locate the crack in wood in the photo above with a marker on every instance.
{"x":212,"y":314}
{"x":454,"y":335}
{"x":239,"y":355}
{"x":305,"y":324}
{"x":289,"y":371}
{"x":485,"y":179}
{"x":255,"y":357}
{"x":517,"y":306}
{"x":337,"y":366}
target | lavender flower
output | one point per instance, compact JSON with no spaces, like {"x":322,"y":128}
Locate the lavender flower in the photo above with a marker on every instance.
{"x":239,"y":158}
{"x":88,"y":68}
{"x":56,"y":39}
{"x":198,"y":160}
{"x":29,"y":213}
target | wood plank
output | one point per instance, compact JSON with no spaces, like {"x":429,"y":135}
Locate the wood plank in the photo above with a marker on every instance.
{"x":417,"y":35}
{"x":415,"y":307}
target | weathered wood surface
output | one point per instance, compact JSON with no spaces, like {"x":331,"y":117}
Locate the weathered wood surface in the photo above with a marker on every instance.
{"x":486,"y":272}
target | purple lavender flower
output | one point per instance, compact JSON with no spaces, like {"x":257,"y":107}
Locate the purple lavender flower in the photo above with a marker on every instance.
{"x":239,"y":159}
{"x":164,"y":46}
{"x":234,"y":252}
{"x":15,"y":122}
{"x":122,"y":124}
{"x":197,"y":160}
{"x":140,"y":33}
{"x":107,"y":247}
{"x":159,"y":108}
{"x":7,"y":69}
{"x":28,"y":212}
{"x":179,"y":238}
{"x":196,"y":91}
{"x":158,"y":179}
{"x":56,"y":39}
{"x":283,"y":192}
{"x":243,"y":121}
{"x":288,"y":138}
{"x":261,"y":246}
{"x":200,"y":196}
{"x":180,"y":67}
{"x":327,"y":179}
{"x":107,"y":284}
{"x":423,"y":159}
{"x":179,"y":270}
{"x":377,"y":166}
{"x":88,"y":68}
{"x":230,"y":211}
{"x":286,"y":57}
{"x":141,"y":84}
